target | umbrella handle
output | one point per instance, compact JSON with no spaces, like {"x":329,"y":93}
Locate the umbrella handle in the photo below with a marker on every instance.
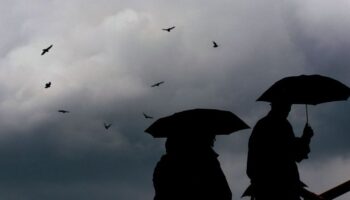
{"x":307,"y":114}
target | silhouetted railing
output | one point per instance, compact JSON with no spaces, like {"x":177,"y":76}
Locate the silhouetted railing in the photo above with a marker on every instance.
{"x":328,"y":195}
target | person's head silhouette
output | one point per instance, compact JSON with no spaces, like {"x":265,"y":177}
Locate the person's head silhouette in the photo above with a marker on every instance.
{"x":176,"y":144}
{"x":280,"y":109}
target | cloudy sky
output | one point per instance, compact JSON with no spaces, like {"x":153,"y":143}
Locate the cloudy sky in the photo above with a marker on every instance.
{"x":107,"y":53}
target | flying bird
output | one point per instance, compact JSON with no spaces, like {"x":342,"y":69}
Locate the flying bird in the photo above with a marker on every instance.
{"x":215,"y":45}
{"x":157,"y":84}
{"x":63,"y":111}
{"x":107,"y":126}
{"x":46,"y":50}
{"x":147,"y":116}
{"x":168,"y":29}
{"x":47,"y":85}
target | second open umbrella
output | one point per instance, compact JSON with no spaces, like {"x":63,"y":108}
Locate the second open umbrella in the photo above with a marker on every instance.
{"x":197,"y":121}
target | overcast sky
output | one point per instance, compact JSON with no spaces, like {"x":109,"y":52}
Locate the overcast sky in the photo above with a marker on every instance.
{"x":104,"y":58}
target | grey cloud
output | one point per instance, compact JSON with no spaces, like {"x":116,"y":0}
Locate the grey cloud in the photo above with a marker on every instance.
{"x":104,"y":59}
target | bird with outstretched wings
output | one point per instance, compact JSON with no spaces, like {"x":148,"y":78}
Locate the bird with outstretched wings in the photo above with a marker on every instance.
{"x":107,"y":126}
{"x":46,"y":50}
{"x":168,"y":29}
{"x":47,"y":85}
{"x":215,"y":45}
{"x":147,"y":116}
{"x":157,"y":84}
{"x":63,"y":111}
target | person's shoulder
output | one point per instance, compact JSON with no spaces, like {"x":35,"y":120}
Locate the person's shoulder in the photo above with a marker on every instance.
{"x":164,"y":159}
{"x":265,"y":125}
{"x":263,"y":121}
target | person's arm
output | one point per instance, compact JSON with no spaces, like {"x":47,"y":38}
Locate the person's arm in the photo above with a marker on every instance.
{"x":302,"y":144}
{"x":219,"y":182}
{"x":160,"y":179}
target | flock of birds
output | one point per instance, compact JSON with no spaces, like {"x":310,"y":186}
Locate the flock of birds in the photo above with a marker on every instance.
{"x":215,"y":45}
{"x":157,"y":84}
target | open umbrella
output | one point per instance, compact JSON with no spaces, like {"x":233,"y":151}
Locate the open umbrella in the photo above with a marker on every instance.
{"x":306,"y":89}
{"x":197,"y":121}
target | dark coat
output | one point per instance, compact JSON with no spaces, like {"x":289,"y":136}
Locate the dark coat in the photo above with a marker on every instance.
{"x":272,"y":156}
{"x":194,"y":176}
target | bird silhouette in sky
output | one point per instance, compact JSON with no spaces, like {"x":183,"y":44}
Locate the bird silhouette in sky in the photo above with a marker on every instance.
{"x":107,"y":126}
{"x":147,"y":116}
{"x":215,"y":45}
{"x":157,"y":84}
{"x":63,"y":111}
{"x":168,"y":29}
{"x":46,"y":50}
{"x":47,"y":85}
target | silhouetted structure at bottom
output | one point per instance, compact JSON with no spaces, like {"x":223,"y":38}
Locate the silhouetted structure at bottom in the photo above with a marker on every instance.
{"x":190,"y":170}
{"x":328,"y":195}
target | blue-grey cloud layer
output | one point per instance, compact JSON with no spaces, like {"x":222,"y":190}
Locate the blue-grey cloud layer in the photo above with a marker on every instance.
{"x":104,"y":59}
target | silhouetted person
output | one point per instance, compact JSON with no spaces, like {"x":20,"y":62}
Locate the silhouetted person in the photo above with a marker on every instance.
{"x":190,"y":170}
{"x":272,"y":156}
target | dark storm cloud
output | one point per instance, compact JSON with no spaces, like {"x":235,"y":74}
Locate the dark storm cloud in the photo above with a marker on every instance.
{"x":105,"y":57}
{"x":322,"y":41}
{"x":42,"y":159}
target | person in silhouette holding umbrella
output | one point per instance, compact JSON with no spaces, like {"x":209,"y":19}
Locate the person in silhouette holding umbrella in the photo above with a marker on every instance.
{"x":190,"y":169}
{"x":273,"y":152}
{"x":273,"y":148}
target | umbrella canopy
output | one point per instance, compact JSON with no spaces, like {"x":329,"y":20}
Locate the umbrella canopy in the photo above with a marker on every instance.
{"x":306,"y":89}
{"x":197,"y":122}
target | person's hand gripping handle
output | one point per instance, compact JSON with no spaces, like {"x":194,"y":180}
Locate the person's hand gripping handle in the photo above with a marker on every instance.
{"x":307,"y":133}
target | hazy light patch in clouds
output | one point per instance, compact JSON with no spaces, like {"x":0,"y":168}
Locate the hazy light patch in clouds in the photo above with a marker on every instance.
{"x":326,"y":21}
{"x":320,"y":33}
{"x":97,"y":75}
